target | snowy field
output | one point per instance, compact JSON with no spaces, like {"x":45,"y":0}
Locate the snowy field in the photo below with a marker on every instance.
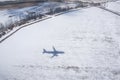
{"x":114,"y":6}
{"x":91,"y":43}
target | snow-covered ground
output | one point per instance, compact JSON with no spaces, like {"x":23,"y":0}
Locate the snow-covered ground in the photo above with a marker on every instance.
{"x":20,"y":14}
{"x":89,"y":37}
{"x":114,"y":6}
{"x":15,"y":17}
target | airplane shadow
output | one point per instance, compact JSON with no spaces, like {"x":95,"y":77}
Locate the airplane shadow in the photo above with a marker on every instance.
{"x":54,"y":52}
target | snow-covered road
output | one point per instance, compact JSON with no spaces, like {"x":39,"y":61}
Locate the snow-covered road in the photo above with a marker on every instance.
{"x":89,"y":37}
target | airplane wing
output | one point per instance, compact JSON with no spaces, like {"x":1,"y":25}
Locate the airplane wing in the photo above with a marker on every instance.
{"x":54,"y":55}
{"x":54,"y":49}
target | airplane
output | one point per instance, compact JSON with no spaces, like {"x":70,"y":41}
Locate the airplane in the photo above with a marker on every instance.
{"x":54,"y":52}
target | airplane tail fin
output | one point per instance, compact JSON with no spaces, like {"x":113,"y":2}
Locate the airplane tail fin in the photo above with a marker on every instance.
{"x":44,"y":51}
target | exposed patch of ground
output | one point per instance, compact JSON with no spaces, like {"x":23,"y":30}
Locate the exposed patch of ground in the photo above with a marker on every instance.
{"x":17,"y":6}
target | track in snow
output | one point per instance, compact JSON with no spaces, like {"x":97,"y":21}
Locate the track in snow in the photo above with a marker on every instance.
{"x":116,"y":13}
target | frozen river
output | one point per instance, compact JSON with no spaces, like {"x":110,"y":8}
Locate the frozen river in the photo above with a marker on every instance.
{"x":89,"y":37}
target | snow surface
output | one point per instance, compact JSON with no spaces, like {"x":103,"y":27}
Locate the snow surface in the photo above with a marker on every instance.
{"x":114,"y":6}
{"x":89,"y":37}
{"x":15,"y":17}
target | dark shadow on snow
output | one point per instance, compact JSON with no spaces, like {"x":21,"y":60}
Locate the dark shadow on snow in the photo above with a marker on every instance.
{"x":54,"y":52}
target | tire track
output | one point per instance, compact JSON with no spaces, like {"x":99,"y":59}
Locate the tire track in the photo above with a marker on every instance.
{"x":116,"y":13}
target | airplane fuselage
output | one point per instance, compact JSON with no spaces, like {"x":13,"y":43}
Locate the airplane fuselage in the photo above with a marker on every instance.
{"x":57,"y":52}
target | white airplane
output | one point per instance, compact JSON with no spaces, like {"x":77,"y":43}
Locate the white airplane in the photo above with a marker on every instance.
{"x":54,"y":52}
